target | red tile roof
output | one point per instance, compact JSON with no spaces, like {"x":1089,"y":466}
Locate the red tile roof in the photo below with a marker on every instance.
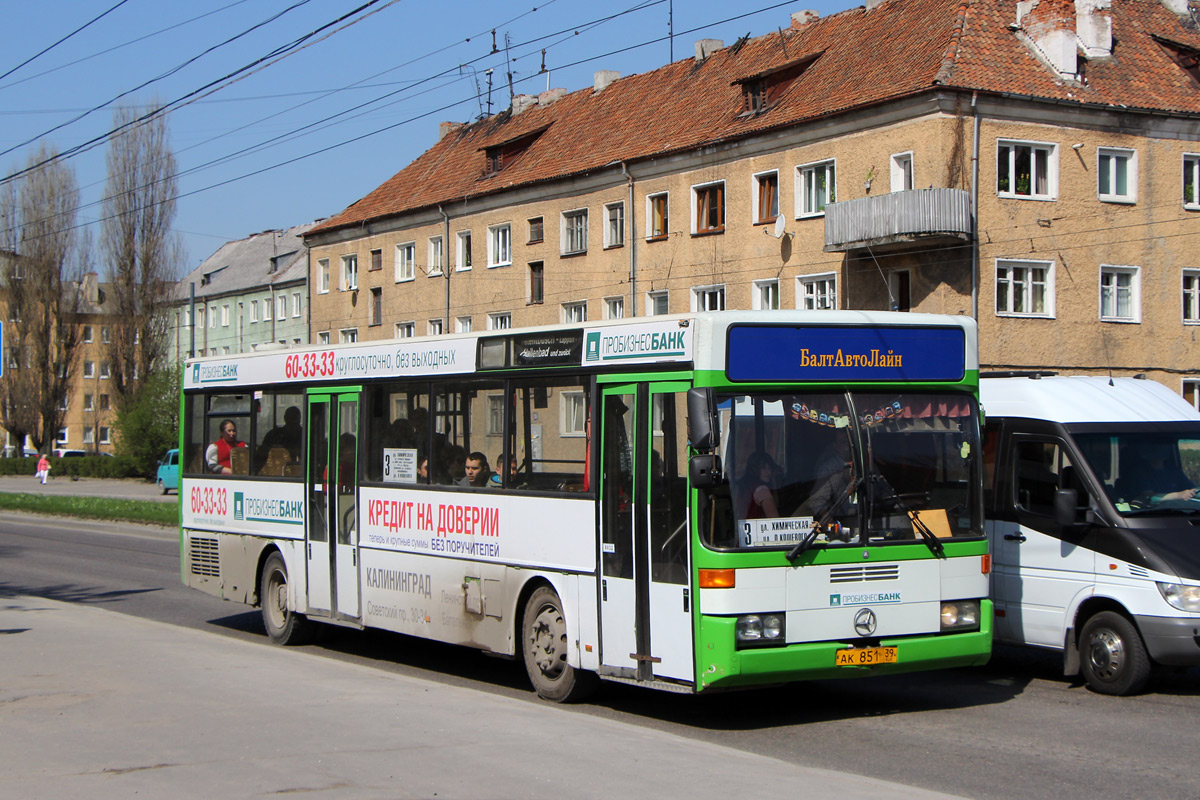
{"x":898,"y":48}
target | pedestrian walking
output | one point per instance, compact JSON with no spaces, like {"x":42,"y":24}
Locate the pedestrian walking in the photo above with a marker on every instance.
{"x":43,"y":468}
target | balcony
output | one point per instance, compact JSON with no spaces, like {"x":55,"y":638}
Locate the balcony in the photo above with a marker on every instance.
{"x":921,"y":215}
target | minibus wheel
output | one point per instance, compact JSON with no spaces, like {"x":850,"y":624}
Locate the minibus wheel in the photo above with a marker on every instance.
{"x":544,"y":645}
{"x":1112,"y":656}
{"x":283,"y":625}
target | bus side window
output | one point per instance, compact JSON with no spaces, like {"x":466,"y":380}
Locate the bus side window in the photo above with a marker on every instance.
{"x":1038,"y":466}
{"x":397,"y":436}
{"x":548,"y":436}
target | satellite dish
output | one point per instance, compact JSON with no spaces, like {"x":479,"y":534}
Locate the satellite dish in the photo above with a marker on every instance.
{"x":779,"y":223}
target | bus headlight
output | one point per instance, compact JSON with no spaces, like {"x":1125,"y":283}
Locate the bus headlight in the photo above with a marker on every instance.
{"x":960,"y":615}
{"x":1185,"y":598}
{"x":760,"y":630}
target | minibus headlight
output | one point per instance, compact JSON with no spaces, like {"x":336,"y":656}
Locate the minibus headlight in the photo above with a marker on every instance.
{"x":1185,"y":598}
{"x":960,"y":615}
{"x":760,"y":630}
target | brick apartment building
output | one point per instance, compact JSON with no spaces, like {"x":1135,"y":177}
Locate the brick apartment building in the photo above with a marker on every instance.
{"x":1033,"y":164}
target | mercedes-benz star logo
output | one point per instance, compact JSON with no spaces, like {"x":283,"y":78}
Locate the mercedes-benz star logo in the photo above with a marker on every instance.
{"x":864,"y":622}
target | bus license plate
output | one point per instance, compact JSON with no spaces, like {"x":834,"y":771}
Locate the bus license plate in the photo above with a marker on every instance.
{"x":866,"y":656}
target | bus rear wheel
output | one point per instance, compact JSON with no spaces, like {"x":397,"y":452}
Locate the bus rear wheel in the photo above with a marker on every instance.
{"x":283,"y":625}
{"x":544,"y":641}
{"x":1112,"y":656}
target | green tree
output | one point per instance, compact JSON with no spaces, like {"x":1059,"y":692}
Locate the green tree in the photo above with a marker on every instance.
{"x":148,"y":424}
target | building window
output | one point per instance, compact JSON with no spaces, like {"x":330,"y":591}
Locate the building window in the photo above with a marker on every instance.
{"x":462,"y":324}
{"x":89,"y":369}
{"x":104,"y":402}
{"x":105,"y":334}
{"x":1024,"y":288}
{"x":656,"y":216}
{"x":766,"y":295}
{"x":1120,"y":294}
{"x":1191,"y":296}
{"x":105,"y":370}
{"x":297,"y":304}
{"x":225,"y":316}
{"x":708,"y":298}
{"x":1191,"y":181}
{"x":1026,"y":169}
{"x":267,"y":306}
{"x":254,"y":311}
{"x":574,"y":414}
{"x":537,"y":283}
{"x":537,"y":231}
{"x":62,"y":403}
{"x":614,"y":225}
{"x":349,"y":273}
{"x":435,"y":256}
{"x":104,"y":435}
{"x":1116,"y":175}
{"x":656,"y":304}
{"x":376,"y":260}
{"x":323,"y":337}
{"x":212,"y":317}
{"x":900,"y":284}
{"x":902,"y":172}
{"x":323,"y":276}
{"x":89,"y":402}
{"x":375,"y":310}
{"x":281,"y":307}
{"x":499,"y":245}
{"x":87,"y":334}
{"x":495,"y":416}
{"x":708,"y":208}
{"x":816,"y":292}
{"x":1191,"y":392}
{"x":406,"y":330}
{"x":614,"y":308}
{"x":574,"y":232}
{"x":500,"y":321}
{"x":62,"y":439}
{"x":816,"y":187}
{"x":462,"y":255}
{"x":406,"y":261}
{"x":348,"y":335}
{"x":575,"y":312}
{"x":89,"y":434}
{"x":433,"y":327}
{"x":766,"y":196}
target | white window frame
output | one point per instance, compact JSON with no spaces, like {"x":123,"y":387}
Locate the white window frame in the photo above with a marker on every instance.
{"x":297,"y":305}
{"x":1135,"y":293}
{"x":1051,"y":149}
{"x":806,"y":201}
{"x":348,"y":335}
{"x":462,"y":248}
{"x":62,"y":437}
{"x":570,"y":403}
{"x":902,"y":177}
{"x":89,"y":402}
{"x":495,"y":415}
{"x":87,"y":334}
{"x":695,"y":194}
{"x":763,"y":291}
{"x":703,"y":297}
{"x":350,"y":272}
{"x":652,"y":299}
{"x":463,"y":324}
{"x":323,"y":276}
{"x":614,"y":224}
{"x":281,"y":307}
{"x":650,"y":233}
{"x":89,"y":369}
{"x":433,"y":327}
{"x":405,"y":268}
{"x":212,"y":317}
{"x":1192,"y":396}
{"x":499,"y":245}
{"x":1023,"y":289}
{"x":268,"y":309}
{"x":574,"y":312}
{"x":822,"y":301}
{"x":1191,"y":169}
{"x":436,"y":252}
{"x":406,"y":330}
{"x":614,"y":307}
{"x":105,"y":434}
{"x":565,"y":226}
{"x":89,"y":434}
{"x":1114,"y":156}
{"x":106,"y":334}
{"x":253,"y":311}
{"x":1191,"y":297}
{"x":323,"y":337}
{"x":499,"y":321}
{"x":755,"y":188}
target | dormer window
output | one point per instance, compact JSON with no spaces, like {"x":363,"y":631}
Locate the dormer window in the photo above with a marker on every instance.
{"x":495,"y":160}
{"x":754,"y":97}
{"x":763,"y":90}
{"x":1187,"y":58}
{"x":504,"y":154}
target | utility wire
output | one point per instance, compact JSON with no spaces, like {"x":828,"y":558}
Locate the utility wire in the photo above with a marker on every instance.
{"x":63,"y":39}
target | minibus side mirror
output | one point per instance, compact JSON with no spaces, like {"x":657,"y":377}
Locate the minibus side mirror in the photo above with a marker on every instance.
{"x":704,"y":470}
{"x":703,"y":429}
{"x":1066,"y":507}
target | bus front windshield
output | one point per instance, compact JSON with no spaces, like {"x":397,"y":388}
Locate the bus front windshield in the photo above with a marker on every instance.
{"x":821,"y":469}
{"x":1146,"y":470}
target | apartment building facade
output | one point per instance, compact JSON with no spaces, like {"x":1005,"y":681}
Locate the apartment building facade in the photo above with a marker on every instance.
{"x":1035,"y":165}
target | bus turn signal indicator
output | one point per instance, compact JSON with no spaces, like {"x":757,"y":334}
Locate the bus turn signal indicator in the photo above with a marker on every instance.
{"x":717,"y":578}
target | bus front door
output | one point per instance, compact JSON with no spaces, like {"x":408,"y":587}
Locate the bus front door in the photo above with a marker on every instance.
{"x":645,"y":598}
{"x":332,"y":546}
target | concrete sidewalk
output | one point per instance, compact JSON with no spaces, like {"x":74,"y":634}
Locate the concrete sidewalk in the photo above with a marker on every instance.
{"x":121,"y":489}
{"x":100,"y":705}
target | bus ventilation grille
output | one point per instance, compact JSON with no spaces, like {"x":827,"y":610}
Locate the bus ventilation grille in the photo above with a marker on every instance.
{"x":865,"y":572}
{"x":204,"y":557}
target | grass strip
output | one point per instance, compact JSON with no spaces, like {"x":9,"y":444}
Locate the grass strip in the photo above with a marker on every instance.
{"x":148,"y":512}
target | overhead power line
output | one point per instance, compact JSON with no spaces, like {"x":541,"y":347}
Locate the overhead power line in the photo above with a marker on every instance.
{"x":63,"y":39}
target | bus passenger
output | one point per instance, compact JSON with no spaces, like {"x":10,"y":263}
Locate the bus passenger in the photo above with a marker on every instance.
{"x":477,"y":470}
{"x":759,"y":480}
{"x":218,"y":454}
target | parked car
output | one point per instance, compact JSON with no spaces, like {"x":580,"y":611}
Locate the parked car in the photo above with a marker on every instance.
{"x":60,"y":452}
{"x":168,"y":472}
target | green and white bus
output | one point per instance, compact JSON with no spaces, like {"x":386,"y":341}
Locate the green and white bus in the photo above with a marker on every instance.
{"x":690,"y":503}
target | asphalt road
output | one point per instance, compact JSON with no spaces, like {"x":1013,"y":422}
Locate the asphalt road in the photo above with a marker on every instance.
{"x":1012,"y":729}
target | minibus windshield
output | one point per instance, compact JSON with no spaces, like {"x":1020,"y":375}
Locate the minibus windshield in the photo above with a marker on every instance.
{"x":1146,"y":471}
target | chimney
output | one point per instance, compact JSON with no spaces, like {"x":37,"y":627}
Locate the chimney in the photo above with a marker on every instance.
{"x":802,"y":18}
{"x":91,"y":288}
{"x":447,"y":128}
{"x":523,"y":102}
{"x":1050,"y":26}
{"x":1177,"y":7}
{"x":1093,"y":25}
{"x":551,"y":95}
{"x":706,"y":47}
{"x":603,"y":78}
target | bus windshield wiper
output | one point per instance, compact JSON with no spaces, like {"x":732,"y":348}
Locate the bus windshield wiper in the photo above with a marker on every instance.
{"x":931,"y":541}
{"x":820,"y":524}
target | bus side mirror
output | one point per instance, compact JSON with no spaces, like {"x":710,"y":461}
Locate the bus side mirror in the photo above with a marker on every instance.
{"x":1066,"y":502}
{"x":702,"y":419}
{"x":705,"y":470}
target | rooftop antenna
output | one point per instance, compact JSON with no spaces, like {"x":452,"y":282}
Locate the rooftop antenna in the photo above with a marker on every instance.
{"x":478,"y":88}
{"x":488,"y":73}
{"x":508,"y":67}
{"x":671,"y":30}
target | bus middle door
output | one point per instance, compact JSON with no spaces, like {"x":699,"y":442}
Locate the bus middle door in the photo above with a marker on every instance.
{"x":332,"y":544}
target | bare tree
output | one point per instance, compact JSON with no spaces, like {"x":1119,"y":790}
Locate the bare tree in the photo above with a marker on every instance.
{"x":141,"y":250}
{"x":45,"y":259}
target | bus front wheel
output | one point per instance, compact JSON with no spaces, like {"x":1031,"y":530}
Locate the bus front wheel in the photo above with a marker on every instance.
{"x":283,"y":625}
{"x":1112,"y":656}
{"x":545,"y":650}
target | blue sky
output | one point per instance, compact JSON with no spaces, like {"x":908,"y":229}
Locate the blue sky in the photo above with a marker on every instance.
{"x":340,"y":115}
